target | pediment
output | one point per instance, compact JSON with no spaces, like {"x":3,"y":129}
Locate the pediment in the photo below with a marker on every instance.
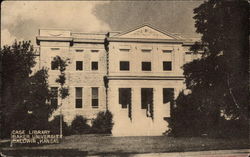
{"x":146,"y":32}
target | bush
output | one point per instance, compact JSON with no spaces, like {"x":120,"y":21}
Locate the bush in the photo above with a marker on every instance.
{"x":54,"y":126}
{"x":79,"y":125}
{"x":103,"y":123}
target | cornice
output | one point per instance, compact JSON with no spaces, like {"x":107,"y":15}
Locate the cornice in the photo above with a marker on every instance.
{"x":145,"y":77}
{"x":117,"y":39}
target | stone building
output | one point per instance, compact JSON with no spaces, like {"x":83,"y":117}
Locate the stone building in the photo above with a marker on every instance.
{"x":135,"y":74}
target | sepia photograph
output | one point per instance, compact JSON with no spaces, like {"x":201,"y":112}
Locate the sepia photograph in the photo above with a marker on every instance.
{"x":124,"y":78}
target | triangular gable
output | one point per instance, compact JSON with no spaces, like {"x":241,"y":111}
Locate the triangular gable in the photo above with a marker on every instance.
{"x":146,"y":31}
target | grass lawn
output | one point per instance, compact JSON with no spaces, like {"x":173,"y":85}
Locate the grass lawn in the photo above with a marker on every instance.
{"x":98,"y":144}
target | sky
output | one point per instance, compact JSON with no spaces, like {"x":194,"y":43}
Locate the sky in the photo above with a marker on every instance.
{"x":21,"y":20}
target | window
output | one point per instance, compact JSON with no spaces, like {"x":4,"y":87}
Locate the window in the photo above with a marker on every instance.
{"x":54,"y":96}
{"x":146,"y":97}
{"x":94,"y":65}
{"x":146,"y":50}
{"x":168,"y":95}
{"x":79,"y":65}
{"x":54,"y":65}
{"x":167,"y":66}
{"x":94,"y":51}
{"x":146,"y":66}
{"x":124,"y":50}
{"x":124,"y":97}
{"x":95,"y":97}
{"x":125,"y":100}
{"x":147,"y":101}
{"x":167,"y":51}
{"x":78,"y":102}
{"x":124,"y":65}
{"x":79,"y":50}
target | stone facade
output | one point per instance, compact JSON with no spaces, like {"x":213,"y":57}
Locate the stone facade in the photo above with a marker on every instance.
{"x":138,"y":60}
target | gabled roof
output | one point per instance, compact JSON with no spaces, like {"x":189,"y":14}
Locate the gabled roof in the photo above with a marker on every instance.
{"x":146,"y":31}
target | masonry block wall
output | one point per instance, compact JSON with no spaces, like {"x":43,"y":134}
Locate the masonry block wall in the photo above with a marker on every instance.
{"x":143,"y":59}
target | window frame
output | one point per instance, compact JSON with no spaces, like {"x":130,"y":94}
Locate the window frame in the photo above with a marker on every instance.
{"x":80,"y":98}
{"x":92,"y":62}
{"x":81,"y":68}
{"x":94,"y":100}
{"x":168,"y":69}
{"x":53,"y":67}
{"x":150,"y":69}
{"x":124,"y":69}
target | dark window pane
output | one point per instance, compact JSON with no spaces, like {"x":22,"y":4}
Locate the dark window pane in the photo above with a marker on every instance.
{"x":95,"y":97}
{"x":124,"y":65}
{"x":95,"y":103}
{"x":54,"y":66}
{"x":78,"y":92}
{"x":79,"y":65}
{"x":167,"y":66}
{"x":78,"y":103}
{"x":94,"y":65}
{"x":168,"y":95}
{"x":78,"y":95}
{"x":94,"y":93}
{"x":146,"y":66}
{"x":125,"y":97}
{"x":146,"y":97}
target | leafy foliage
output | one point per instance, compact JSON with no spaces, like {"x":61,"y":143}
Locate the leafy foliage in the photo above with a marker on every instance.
{"x":24,"y":96}
{"x":103,"y":123}
{"x":218,"y":80}
{"x":61,"y":64}
{"x":79,"y":125}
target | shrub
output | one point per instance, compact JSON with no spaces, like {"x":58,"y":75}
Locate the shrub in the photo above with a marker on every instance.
{"x":54,"y":126}
{"x":103,"y":123}
{"x":79,"y":125}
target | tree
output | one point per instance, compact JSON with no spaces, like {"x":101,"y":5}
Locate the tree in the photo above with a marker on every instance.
{"x":63,"y":91}
{"x":219,"y":80}
{"x":24,"y":96}
{"x":224,"y":26}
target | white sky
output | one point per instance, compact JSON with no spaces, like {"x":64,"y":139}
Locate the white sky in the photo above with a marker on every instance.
{"x":22,"y":19}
